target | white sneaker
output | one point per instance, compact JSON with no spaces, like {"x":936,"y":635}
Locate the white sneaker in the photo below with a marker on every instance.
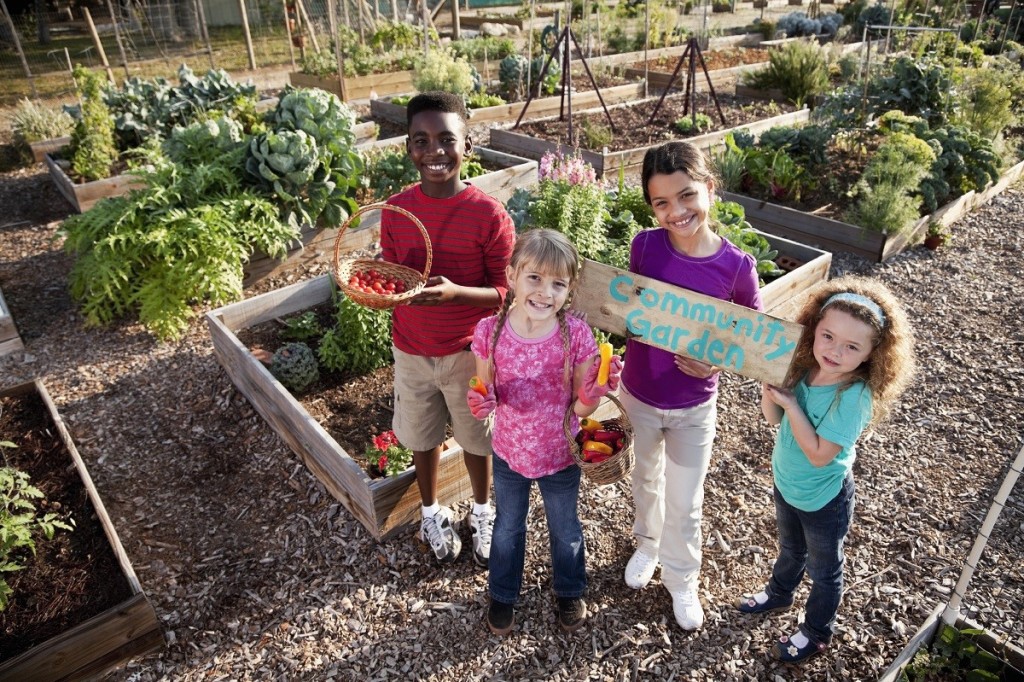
{"x":481,"y":526}
{"x":687,"y":609}
{"x":437,"y":531}
{"x":640,"y":569}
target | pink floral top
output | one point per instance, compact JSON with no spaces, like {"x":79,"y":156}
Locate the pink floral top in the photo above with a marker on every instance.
{"x":532,"y":394}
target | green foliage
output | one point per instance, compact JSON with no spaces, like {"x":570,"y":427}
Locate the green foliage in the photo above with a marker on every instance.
{"x":442,"y":70}
{"x":489,"y":47}
{"x":93,"y":151}
{"x":916,"y":87}
{"x":480,"y":100}
{"x":954,"y":653}
{"x":799,"y":70}
{"x":775,"y":170}
{"x":691,"y":125}
{"x":204,"y":141}
{"x":986,"y":100}
{"x":20,"y":523}
{"x":295,"y":366}
{"x":360,"y":340}
{"x":183,"y":237}
{"x":730,"y":221}
{"x":332,"y":185}
{"x":388,"y":455}
{"x":967,"y":162}
{"x":883,"y":208}
{"x":548,"y":80}
{"x":304,"y":327}
{"x":512,"y":76}
{"x":389,"y":170}
{"x":577,"y":210}
{"x":391,"y":35}
{"x":730,"y":164}
{"x":596,"y":135}
{"x":33,"y":122}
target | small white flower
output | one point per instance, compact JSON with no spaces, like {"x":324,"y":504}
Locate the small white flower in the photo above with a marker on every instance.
{"x":792,"y":651}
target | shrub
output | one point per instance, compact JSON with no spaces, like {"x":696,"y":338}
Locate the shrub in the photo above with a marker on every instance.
{"x":986,"y":101}
{"x":442,"y":70}
{"x":93,"y":151}
{"x":799,"y":70}
{"x":33,"y":122}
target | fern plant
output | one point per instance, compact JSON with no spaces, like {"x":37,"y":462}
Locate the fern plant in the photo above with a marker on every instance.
{"x":182,"y":238}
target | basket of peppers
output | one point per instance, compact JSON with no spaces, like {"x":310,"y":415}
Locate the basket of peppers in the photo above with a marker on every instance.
{"x":602,"y":449}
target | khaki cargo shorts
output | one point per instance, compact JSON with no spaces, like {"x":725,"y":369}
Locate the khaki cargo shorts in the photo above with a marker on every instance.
{"x":430,"y":393}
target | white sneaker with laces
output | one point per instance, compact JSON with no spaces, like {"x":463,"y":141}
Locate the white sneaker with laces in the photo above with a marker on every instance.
{"x":437,"y":532}
{"x":481,"y":526}
{"x":640,"y":569}
{"x":687,"y":609}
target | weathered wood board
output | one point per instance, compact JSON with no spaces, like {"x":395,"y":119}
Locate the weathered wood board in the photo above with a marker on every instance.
{"x":732,"y":337}
{"x":10,"y":340}
{"x":82,"y":196}
{"x":43,"y":147}
{"x":318,"y":245}
{"x":106,"y":640}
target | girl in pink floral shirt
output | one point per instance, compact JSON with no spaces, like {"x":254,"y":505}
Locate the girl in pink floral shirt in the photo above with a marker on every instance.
{"x":536,"y":361}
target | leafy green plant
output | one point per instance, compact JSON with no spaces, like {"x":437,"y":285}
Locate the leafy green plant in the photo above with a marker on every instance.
{"x":480,"y":100}
{"x":967,"y":162}
{"x":775,"y":170}
{"x":395,"y":35}
{"x":916,"y":87}
{"x":799,"y":70}
{"x":93,"y":151}
{"x":476,"y":49}
{"x":691,"y":125}
{"x":183,"y":237}
{"x":730,"y":221}
{"x":389,"y":170}
{"x":442,"y":70}
{"x":33,"y":122}
{"x":986,"y":101}
{"x":20,"y":523}
{"x":730,"y":163}
{"x":204,"y":141}
{"x":304,"y":327}
{"x":295,"y":366}
{"x":887,"y":200}
{"x":954,"y":652}
{"x":360,"y":340}
{"x":596,"y":135}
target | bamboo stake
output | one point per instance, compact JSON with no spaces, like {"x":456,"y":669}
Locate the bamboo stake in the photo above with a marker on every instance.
{"x":952,"y":610}
{"x":17,"y":46}
{"x":117,"y":36}
{"x":99,"y":45}
{"x":456,"y":28}
{"x":312,"y":27}
{"x":206,"y":33}
{"x":362,"y":22}
{"x":288,"y":31}
{"x":333,"y":19}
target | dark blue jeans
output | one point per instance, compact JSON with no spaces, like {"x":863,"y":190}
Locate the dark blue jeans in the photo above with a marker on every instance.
{"x":560,"y":492}
{"x":812,"y":542}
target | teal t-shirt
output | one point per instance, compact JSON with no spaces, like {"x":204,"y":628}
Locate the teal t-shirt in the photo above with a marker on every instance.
{"x":837,"y":416}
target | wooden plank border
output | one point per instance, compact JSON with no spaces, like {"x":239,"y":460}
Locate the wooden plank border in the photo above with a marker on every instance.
{"x":104,"y":641}
{"x":82,"y":196}
{"x":317,"y":245}
{"x":10,"y":340}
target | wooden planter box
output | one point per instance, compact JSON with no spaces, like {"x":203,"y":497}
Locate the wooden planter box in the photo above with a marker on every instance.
{"x":82,"y":196}
{"x":606,"y":163}
{"x":357,"y":87}
{"x":43,"y":147}
{"x":382,"y":505}
{"x":91,"y":648}
{"x":474,"y":22}
{"x":318,"y":244}
{"x":10,"y":341}
{"x":927,"y":633}
{"x":834,"y":235}
{"x":539,"y":108}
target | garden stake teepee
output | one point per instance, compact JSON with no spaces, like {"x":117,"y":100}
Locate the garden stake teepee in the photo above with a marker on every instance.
{"x":692,"y":54}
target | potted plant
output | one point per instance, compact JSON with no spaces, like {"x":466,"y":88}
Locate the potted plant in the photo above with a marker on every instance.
{"x":937,"y":235}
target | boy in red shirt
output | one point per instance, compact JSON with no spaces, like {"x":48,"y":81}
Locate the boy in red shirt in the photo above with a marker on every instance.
{"x":471,"y":238}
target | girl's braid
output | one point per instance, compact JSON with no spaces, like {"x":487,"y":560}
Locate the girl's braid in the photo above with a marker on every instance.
{"x":563,"y":330}
{"x":499,"y":324}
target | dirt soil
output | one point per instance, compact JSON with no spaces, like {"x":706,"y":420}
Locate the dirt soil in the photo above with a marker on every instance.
{"x":632,"y":130}
{"x":257,"y":573}
{"x":713,"y":60}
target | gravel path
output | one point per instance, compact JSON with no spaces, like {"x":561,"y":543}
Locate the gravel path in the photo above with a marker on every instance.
{"x":258,"y":574}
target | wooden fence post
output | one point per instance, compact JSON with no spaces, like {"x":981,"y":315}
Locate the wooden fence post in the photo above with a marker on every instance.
{"x":99,"y":45}
{"x":17,"y":45}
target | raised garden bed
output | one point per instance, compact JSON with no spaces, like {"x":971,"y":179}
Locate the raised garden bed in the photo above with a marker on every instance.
{"x":115,"y":620}
{"x":52,"y":146}
{"x":82,"y":195}
{"x":317,"y":244}
{"x":542,"y":106}
{"x":527,"y":141}
{"x":384,"y":505}
{"x":927,"y":633}
{"x":10,"y":341}
{"x":835,"y":235}
{"x":724,"y":66}
{"x":369,"y":86}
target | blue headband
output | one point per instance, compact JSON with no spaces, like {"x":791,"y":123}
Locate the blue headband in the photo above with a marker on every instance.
{"x":858,"y":300}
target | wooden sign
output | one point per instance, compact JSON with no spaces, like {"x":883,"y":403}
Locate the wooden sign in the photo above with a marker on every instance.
{"x":747,"y":342}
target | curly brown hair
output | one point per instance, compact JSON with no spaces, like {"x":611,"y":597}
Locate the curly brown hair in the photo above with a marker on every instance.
{"x":890,"y":367}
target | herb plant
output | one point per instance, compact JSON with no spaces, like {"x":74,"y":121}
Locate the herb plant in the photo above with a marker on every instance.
{"x":360,"y":340}
{"x":20,"y":523}
{"x":799,"y":70}
{"x":692,"y":125}
{"x":442,"y":70}
{"x":33,"y":122}
{"x":93,"y":151}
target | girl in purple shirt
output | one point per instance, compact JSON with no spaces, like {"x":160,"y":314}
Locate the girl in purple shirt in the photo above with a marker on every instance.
{"x":671,"y":399}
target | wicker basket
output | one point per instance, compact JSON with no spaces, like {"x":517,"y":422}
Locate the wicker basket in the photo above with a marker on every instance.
{"x":344,"y":268}
{"x":616,"y":467}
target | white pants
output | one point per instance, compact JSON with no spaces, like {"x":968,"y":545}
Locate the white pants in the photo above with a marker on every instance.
{"x":673,"y":451}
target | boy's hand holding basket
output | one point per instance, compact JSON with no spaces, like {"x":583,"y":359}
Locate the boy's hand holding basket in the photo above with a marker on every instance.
{"x":376,"y":283}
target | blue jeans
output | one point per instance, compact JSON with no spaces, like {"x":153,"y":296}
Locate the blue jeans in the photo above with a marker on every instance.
{"x":813,"y":542}
{"x":560,"y":492}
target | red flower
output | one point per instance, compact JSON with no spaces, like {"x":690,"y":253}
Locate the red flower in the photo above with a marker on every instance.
{"x":382,"y":463}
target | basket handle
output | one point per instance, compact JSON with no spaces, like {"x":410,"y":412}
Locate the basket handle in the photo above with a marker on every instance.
{"x":382,"y":206}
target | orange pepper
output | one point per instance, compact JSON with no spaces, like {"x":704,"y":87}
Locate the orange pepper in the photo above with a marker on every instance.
{"x":597,"y":447}
{"x":478,"y":385}
{"x":590,"y":425}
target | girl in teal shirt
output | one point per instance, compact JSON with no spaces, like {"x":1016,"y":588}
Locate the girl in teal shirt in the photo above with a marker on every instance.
{"x":853,"y":360}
